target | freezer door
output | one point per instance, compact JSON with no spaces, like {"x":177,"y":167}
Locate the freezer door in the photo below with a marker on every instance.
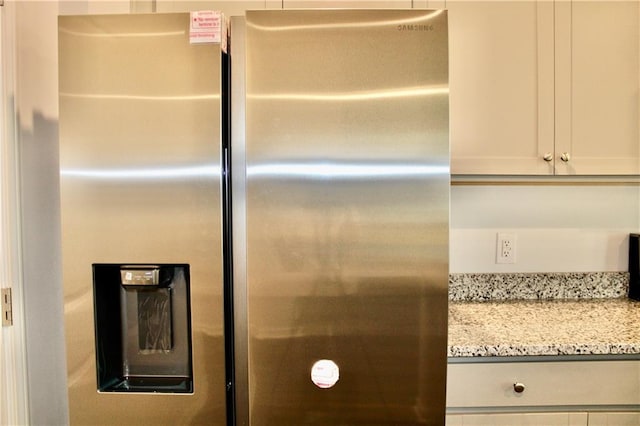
{"x":140,"y":125}
{"x":347,"y":196}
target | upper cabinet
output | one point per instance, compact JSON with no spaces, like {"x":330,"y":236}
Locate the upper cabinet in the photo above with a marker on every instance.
{"x":228,"y":7}
{"x":347,"y":4}
{"x":545,"y":88}
{"x":501,"y":86}
{"x":597,"y":87}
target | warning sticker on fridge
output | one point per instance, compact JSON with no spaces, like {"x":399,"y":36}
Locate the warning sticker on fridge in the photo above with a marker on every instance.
{"x":207,"y":26}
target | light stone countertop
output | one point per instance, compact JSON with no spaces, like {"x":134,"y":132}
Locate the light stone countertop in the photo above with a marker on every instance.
{"x":503,"y":328}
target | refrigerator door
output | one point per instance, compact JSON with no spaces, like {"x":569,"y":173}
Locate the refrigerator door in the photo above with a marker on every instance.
{"x":347,"y":195}
{"x":140,"y":142}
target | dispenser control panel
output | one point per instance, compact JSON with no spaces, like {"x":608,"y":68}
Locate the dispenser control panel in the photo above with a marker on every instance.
{"x":140,"y":276}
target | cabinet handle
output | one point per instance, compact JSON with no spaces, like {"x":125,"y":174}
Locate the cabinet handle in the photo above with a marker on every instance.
{"x":565,"y":157}
{"x":548,"y":157}
{"x":518,"y":387}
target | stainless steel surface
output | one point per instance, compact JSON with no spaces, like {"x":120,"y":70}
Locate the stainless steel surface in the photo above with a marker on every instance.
{"x":548,"y":156}
{"x":140,"y":183}
{"x":518,"y":387}
{"x":565,"y":157}
{"x":238,"y":183}
{"x":347,"y":164}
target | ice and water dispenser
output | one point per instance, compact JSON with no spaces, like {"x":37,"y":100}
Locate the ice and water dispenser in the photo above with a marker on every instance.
{"x":143,"y":330}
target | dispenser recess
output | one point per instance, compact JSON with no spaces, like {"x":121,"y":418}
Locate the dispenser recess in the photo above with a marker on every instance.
{"x":143,"y":332}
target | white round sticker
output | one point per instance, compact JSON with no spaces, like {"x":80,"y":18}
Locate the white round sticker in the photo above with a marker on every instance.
{"x":325,"y":373}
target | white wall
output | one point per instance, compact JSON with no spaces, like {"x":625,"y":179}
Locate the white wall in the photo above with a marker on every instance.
{"x":559,"y":228}
{"x":38,"y":141}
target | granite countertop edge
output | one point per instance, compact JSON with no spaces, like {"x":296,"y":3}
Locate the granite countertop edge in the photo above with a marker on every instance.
{"x":542,"y":350}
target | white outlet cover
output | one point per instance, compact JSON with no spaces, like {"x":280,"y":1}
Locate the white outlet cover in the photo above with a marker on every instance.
{"x":506,"y":248}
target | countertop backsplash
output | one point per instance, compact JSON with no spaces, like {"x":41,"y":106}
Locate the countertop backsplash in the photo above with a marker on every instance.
{"x":537,"y":286}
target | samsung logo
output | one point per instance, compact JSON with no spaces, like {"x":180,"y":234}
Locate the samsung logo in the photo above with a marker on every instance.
{"x":415,"y":27}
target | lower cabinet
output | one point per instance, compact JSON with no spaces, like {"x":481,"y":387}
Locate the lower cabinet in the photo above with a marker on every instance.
{"x":546,"y":419}
{"x":515,"y":419}
{"x":614,"y":419}
{"x":568,"y":393}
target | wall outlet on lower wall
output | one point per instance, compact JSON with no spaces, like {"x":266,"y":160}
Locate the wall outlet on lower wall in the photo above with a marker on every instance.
{"x":506,"y":248}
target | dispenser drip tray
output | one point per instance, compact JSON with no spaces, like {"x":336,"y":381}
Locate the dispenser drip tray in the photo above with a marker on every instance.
{"x":151,"y":384}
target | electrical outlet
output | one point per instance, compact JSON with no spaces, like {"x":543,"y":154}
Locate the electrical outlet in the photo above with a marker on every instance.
{"x":506,"y":248}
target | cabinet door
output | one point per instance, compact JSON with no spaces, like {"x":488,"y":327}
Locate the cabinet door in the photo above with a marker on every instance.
{"x":347,"y":4}
{"x":429,"y":4}
{"x":481,"y":386}
{"x":518,"y":419}
{"x":614,"y":419}
{"x":501,"y":86}
{"x":228,"y":7}
{"x":597,"y":87}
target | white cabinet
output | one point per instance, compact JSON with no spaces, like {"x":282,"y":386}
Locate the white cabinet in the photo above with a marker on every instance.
{"x":545,"y":88}
{"x":555,"y":393}
{"x":347,"y":4}
{"x":614,"y":419}
{"x":518,"y":419}
{"x":597,"y":87}
{"x":546,"y":419}
{"x":501,"y":86}
{"x":228,"y":7}
{"x":547,"y":384}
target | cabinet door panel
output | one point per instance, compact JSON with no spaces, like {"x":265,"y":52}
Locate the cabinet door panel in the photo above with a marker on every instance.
{"x":548,"y":384}
{"x":228,"y":7}
{"x":518,"y":419}
{"x":598,"y":76}
{"x":351,"y":4}
{"x":614,"y":419}
{"x":429,"y":4}
{"x":501,"y":84}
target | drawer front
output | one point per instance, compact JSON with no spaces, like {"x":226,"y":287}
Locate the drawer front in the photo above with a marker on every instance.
{"x":551,"y":384}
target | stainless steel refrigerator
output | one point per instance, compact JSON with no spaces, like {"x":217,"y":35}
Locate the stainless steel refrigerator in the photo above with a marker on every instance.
{"x":260,"y":236}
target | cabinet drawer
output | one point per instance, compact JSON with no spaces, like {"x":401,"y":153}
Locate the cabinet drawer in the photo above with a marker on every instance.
{"x":553,"y":384}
